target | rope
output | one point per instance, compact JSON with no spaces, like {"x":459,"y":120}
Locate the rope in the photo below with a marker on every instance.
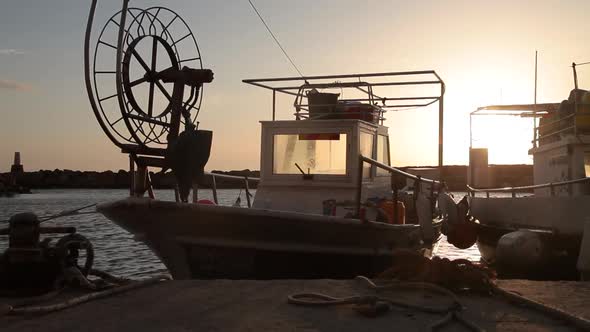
{"x":374,"y":305}
{"x":68,"y":213}
{"x":275,"y":39}
{"x":16,"y":310}
{"x":64,"y":213}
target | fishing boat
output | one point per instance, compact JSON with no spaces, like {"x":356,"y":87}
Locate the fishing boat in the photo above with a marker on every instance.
{"x":536,"y":231}
{"x":320,"y":208}
{"x":327,"y":203}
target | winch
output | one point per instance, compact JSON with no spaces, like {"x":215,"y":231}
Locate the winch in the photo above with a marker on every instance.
{"x":31,"y":265}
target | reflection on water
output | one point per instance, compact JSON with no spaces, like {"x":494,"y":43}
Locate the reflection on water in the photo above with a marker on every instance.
{"x":116,"y":251}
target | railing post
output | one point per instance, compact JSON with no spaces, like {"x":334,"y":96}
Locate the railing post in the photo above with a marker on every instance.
{"x":395,"y":196}
{"x":195,"y":192}
{"x":150,"y":186}
{"x":432,"y":201}
{"x":359,"y":183}
{"x":247,"y":192}
{"x":176,"y":193}
{"x":214,"y":189}
{"x":131,"y":175}
{"x":552,"y":189}
{"x":487,"y":194}
{"x":417,"y":189}
{"x":513,"y":194}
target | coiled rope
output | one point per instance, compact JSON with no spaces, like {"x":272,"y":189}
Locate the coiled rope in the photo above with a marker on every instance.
{"x":374,"y":305}
{"x":426,"y":274}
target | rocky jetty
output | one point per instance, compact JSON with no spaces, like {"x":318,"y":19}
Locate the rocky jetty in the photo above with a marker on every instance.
{"x":455,"y":176}
{"x":46,"y":179}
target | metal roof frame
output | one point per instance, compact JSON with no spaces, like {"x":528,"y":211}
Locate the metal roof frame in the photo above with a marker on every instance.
{"x":293,"y":85}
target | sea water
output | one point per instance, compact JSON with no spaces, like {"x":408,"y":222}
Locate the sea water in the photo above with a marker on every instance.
{"x":115,"y":249}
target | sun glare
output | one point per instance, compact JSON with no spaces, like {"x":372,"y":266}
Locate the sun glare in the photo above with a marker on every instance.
{"x":507,"y":138}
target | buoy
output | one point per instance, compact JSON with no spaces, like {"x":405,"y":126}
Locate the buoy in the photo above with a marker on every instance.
{"x":463,"y":234}
{"x":520,"y":250}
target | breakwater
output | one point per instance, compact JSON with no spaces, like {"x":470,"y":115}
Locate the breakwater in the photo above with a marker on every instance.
{"x":69,"y":179}
{"x":454,"y":175}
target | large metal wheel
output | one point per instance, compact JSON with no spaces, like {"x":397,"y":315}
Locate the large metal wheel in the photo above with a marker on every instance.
{"x":155,"y":39}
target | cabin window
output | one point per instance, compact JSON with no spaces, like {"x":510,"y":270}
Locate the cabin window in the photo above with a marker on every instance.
{"x":323,"y":153}
{"x":587,"y":164}
{"x":382,"y":153}
{"x":366,"y":149}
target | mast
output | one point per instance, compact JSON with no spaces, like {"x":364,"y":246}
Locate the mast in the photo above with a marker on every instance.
{"x":535,"y":107}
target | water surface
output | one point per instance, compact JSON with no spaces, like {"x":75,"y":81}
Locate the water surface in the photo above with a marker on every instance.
{"x":115,"y":249}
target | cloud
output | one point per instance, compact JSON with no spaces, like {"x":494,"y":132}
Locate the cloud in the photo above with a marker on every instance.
{"x":13,"y":85}
{"x":11,"y":51}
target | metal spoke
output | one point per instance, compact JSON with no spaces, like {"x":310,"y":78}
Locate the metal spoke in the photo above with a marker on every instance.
{"x":191,"y":59}
{"x":107,"y":44}
{"x":153,"y":70}
{"x":181,"y":39}
{"x":137,"y":81}
{"x":127,"y":31}
{"x":109,"y":97}
{"x":114,"y":123}
{"x":164,"y":92}
{"x":140,"y":60}
{"x":169,"y":24}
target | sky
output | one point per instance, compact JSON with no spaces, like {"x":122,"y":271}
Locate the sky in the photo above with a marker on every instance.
{"x":483,"y":50}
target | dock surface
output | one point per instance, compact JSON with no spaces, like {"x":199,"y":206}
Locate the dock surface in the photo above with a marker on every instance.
{"x":226,"y":305}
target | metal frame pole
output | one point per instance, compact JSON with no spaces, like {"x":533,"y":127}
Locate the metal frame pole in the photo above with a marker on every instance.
{"x":575,"y":98}
{"x":535,"y":107}
{"x":441,"y":125}
{"x":274,"y":104}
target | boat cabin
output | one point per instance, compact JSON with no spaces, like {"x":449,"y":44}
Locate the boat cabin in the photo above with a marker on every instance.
{"x":312,"y":163}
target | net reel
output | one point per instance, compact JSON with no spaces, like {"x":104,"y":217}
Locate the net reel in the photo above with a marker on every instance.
{"x":145,"y":84}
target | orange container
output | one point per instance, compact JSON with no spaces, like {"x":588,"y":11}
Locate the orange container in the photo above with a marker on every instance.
{"x":387,"y":206}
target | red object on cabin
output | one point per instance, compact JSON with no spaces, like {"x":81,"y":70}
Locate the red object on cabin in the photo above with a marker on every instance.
{"x":360,"y":111}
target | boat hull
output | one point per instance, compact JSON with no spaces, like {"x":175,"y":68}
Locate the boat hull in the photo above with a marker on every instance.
{"x":556,"y":221}
{"x":208,"y":241}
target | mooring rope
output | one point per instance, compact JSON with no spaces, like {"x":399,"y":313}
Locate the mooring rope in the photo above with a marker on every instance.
{"x":44,"y":309}
{"x":374,"y":305}
{"x":65,"y":213}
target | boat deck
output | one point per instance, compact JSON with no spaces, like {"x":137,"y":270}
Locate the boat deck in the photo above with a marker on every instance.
{"x":224,"y":305}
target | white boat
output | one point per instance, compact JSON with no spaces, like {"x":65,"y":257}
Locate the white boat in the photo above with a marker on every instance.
{"x":536,"y":231}
{"x":311,"y":216}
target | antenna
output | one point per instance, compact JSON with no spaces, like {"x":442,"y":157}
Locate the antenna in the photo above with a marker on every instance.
{"x":275,"y":38}
{"x":535,"y":106}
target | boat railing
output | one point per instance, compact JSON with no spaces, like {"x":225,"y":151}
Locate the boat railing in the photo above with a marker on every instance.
{"x":513,"y":190}
{"x":553,"y":128}
{"x":246,"y":179}
{"x":395,"y":173}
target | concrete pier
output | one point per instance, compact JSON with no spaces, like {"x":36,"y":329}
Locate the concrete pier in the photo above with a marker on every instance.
{"x":223,"y":305}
